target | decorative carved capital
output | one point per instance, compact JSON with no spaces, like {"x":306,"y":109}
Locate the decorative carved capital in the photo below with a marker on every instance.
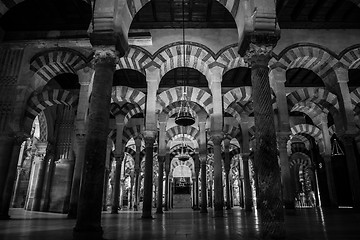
{"x":260,"y":49}
{"x":105,"y":57}
{"x":149,"y":137}
{"x":282,"y":139}
{"x":217,"y":138}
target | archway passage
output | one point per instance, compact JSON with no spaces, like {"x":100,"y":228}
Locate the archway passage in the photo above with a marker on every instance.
{"x":182,"y":187}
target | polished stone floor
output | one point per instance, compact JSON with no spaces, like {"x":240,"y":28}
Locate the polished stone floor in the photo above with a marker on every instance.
{"x":179,"y":224}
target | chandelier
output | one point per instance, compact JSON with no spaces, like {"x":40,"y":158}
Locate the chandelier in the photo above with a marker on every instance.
{"x":184,"y":116}
{"x":184,"y":155}
{"x":336,"y":149}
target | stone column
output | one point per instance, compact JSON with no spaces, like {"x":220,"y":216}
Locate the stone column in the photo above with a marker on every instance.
{"x":149,"y":137}
{"x":203,"y":184}
{"x":137,"y":172}
{"x":85,"y":76}
{"x":131,"y":199}
{"x":196,"y":182}
{"x":115,"y":206}
{"x":287,"y":191}
{"x":327,"y":160}
{"x":167,"y":172}
{"x":241,"y":188}
{"x":353,"y":169}
{"x":88,"y":222}
{"x":218,"y":186}
{"x":247,"y":184}
{"x":5,"y":200}
{"x":39,"y":181}
{"x":161,"y":160}
{"x":6,"y":143}
{"x":227,"y":163}
{"x":266,"y":161}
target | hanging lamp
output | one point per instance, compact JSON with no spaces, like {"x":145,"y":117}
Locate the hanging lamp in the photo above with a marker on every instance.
{"x":183,"y":156}
{"x":184,"y":116}
{"x":336,"y":149}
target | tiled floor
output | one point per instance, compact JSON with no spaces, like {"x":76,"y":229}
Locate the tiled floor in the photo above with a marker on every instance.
{"x":316,"y":224}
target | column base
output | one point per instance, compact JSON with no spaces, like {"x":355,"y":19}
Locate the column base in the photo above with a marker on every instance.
{"x":85,"y":233}
{"x":159,"y":211}
{"x":114,"y":210}
{"x":72,"y":213}
{"x":203,"y":210}
{"x":196,"y":208}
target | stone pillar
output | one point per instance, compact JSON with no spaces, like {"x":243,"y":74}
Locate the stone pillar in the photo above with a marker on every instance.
{"x":106,"y":186}
{"x":266,"y":161}
{"x":203,"y":184}
{"x":218,"y":186}
{"x":6,"y":143}
{"x":327,"y":160}
{"x":149,"y":137}
{"x":5,"y":200}
{"x":353,"y":168}
{"x":137,"y":172}
{"x":241,"y":188}
{"x":227,"y":163}
{"x":247,"y":184}
{"x":85,"y":76}
{"x":167,"y":172}
{"x":115,"y":206}
{"x":88,"y":222}
{"x":131,"y":199}
{"x":161,"y":160}
{"x":41,"y":161}
{"x":49,"y":172}
{"x":196,"y":182}
{"x":287,"y":191}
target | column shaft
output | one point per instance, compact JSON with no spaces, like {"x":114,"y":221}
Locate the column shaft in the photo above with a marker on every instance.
{"x":90,"y":200}
{"x":148,"y":176}
{"x":160,"y":184}
{"x":203,"y":186}
{"x":116,"y":192}
{"x":218,"y":186}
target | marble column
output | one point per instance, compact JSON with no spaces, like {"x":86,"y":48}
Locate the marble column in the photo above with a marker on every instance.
{"x":85,"y":76}
{"x":353,"y":168}
{"x":203,"y":184}
{"x":161,"y":160}
{"x":196,"y":182}
{"x":5,"y":200}
{"x":49,"y":173}
{"x":241,"y":188}
{"x":218,"y":186}
{"x":227,"y":166}
{"x":288,"y":194}
{"x":167,"y":172}
{"x":88,"y":222}
{"x":137,"y":172}
{"x":247,"y":184}
{"x":6,"y":143}
{"x":115,"y":205}
{"x":39,"y":181}
{"x":265,"y":160}
{"x":327,"y":160}
{"x":149,"y":137}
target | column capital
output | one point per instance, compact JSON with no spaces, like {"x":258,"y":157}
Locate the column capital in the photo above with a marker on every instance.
{"x":260,"y":48}
{"x":119,"y":156}
{"x":202,"y":158}
{"x":217,"y":137}
{"x":282,"y":139}
{"x":105,"y":56}
{"x":245,"y":156}
{"x":149,"y":137}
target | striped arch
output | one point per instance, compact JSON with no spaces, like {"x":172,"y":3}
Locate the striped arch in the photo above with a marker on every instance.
{"x":193,"y":94}
{"x":178,"y":130}
{"x":130,"y":132}
{"x":230,"y":58}
{"x":127,"y":94}
{"x":319,"y":96}
{"x":351,"y":58}
{"x":48,"y":64}
{"x":172,"y":57}
{"x":176,"y":106}
{"x":311,"y":109}
{"x":136,"y":59}
{"x":130,"y":151}
{"x":178,"y":149}
{"x":310,"y":57}
{"x":355,"y":101}
{"x":300,"y":159}
{"x":300,"y":138}
{"x":237,"y":109}
{"x":235,"y":152}
{"x":128,"y":110}
{"x":231,"y":131}
{"x":241,"y":94}
{"x":311,"y":130}
{"x":41,"y":101}
{"x":176,"y":162}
